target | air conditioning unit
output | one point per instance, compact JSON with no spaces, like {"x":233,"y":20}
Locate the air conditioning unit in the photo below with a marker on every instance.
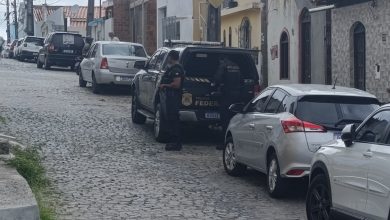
{"x":233,"y":4}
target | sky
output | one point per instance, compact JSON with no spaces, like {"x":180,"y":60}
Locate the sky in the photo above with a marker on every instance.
{"x":3,"y":24}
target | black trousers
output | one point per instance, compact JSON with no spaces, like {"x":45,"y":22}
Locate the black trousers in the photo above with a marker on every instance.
{"x":171,"y":115}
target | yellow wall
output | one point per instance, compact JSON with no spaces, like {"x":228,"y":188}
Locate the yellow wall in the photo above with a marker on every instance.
{"x":234,"y":20}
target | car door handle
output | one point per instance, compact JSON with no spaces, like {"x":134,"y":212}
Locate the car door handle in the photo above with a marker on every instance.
{"x":269,"y":127}
{"x":368,"y":154}
{"x":252,"y":126}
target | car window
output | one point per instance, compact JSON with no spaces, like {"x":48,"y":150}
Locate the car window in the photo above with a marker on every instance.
{"x":161,"y":59}
{"x":153,"y":60}
{"x":374,"y":130}
{"x":258,"y":104}
{"x":124,"y":50}
{"x":334,"y":112}
{"x":275,"y":102}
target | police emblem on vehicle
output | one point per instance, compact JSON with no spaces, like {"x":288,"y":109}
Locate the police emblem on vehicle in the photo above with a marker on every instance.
{"x":186,"y":99}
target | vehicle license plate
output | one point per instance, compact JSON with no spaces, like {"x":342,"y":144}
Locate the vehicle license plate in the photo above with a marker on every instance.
{"x":337,"y":135}
{"x":68,"y":51}
{"x":124,"y":78}
{"x":35,"y":54}
{"x":212,"y":115}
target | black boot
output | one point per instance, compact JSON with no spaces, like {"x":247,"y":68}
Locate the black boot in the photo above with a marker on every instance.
{"x":173,"y":147}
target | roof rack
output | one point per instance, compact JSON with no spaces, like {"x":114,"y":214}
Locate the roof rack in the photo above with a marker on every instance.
{"x":177,"y":43}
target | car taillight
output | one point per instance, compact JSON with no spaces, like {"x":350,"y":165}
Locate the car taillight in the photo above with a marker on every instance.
{"x":256,"y":89}
{"x":295,"y":125}
{"x":295,"y":172}
{"x":51,"y":48}
{"x":104,"y":63}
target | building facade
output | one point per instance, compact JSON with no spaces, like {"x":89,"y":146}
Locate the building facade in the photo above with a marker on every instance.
{"x":361,"y":45}
{"x":297,"y":43}
{"x":190,"y":20}
{"x":143,"y":23}
{"x":121,"y":20}
{"x":241,"y":27}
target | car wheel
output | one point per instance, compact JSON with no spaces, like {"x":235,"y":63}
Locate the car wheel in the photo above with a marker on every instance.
{"x":160,"y":128}
{"x":47,"y":65}
{"x":136,"y":117}
{"x":82,"y":82}
{"x":232,"y":167}
{"x":319,"y":201}
{"x":275,"y":183}
{"x":39,"y":64}
{"x":96,"y":87}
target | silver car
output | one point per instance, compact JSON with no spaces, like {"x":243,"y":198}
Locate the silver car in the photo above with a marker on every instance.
{"x":279,"y":131}
{"x":111,"y":63}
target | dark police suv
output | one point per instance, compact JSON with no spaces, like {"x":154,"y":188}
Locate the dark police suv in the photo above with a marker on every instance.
{"x":60,"y":49}
{"x":200,"y":105}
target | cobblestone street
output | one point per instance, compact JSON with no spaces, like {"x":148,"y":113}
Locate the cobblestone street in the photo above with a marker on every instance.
{"x":105,"y":167}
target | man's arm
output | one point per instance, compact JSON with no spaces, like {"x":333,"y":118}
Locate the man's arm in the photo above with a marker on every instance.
{"x":176,"y":84}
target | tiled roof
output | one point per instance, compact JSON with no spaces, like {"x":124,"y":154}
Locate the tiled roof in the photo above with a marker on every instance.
{"x":78,"y":19}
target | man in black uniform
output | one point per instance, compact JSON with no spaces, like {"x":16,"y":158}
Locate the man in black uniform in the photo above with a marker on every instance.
{"x":171,"y":87}
{"x":228,"y":81}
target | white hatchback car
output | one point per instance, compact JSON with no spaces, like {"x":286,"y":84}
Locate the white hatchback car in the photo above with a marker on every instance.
{"x":111,"y":63}
{"x":351,"y":177}
{"x":280,"y":130}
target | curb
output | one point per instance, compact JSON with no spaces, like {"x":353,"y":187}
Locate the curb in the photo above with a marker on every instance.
{"x":17,"y":199}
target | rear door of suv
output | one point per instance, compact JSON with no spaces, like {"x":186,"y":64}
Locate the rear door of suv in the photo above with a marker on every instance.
{"x":67,"y":44}
{"x":200,"y":89}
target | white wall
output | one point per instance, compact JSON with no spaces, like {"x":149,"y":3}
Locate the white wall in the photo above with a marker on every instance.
{"x":285,"y":15}
{"x":182,"y":9}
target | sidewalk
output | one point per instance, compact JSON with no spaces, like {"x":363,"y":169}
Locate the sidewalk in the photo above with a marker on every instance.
{"x":17,"y":200}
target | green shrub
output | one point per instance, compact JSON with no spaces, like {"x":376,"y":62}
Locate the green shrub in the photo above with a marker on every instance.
{"x":28,"y":163}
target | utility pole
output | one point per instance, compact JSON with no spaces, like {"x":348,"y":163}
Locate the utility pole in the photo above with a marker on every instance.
{"x":90,"y":16}
{"x":264,"y":43}
{"x":30,"y":18}
{"x":16,"y":25}
{"x":8,"y":24}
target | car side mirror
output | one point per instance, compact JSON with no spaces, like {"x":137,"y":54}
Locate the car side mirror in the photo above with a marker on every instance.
{"x":237,"y":108}
{"x":140,"y":64}
{"x":348,"y":134}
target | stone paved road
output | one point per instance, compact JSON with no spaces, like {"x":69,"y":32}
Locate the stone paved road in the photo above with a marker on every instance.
{"x":105,"y":167}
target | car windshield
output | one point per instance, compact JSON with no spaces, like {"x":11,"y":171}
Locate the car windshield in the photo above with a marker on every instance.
{"x":34,"y":40}
{"x":124,"y":50}
{"x":60,"y":40}
{"x":335,"y":112}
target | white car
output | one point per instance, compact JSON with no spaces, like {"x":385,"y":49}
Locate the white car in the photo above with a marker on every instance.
{"x":280,"y":130}
{"x":29,"y":48}
{"x":351,"y":177}
{"x":111,"y":63}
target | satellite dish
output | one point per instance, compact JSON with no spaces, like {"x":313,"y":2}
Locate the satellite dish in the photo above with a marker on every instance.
{"x":74,"y":9}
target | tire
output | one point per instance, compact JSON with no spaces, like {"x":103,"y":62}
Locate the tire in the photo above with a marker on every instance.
{"x":39,"y":64}
{"x":47,"y":65}
{"x":136,"y":117}
{"x":96,"y":87}
{"x":319,"y":200}
{"x":82,"y":82}
{"x":160,"y":127}
{"x":232,"y":167}
{"x":276,"y":185}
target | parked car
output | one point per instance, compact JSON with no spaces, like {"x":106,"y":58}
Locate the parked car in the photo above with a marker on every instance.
{"x":12,"y":48}
{"x":280,"y":130}
{"x":110,"y":63}
{"x":30,"y":47}
{"x":60,"y":49}
{"x":351,"y":177}
{"x":199,"y":105}
{"x":17,"y":48}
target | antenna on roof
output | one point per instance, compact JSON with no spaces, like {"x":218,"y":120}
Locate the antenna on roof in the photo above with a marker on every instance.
{"x":335,"y":82}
